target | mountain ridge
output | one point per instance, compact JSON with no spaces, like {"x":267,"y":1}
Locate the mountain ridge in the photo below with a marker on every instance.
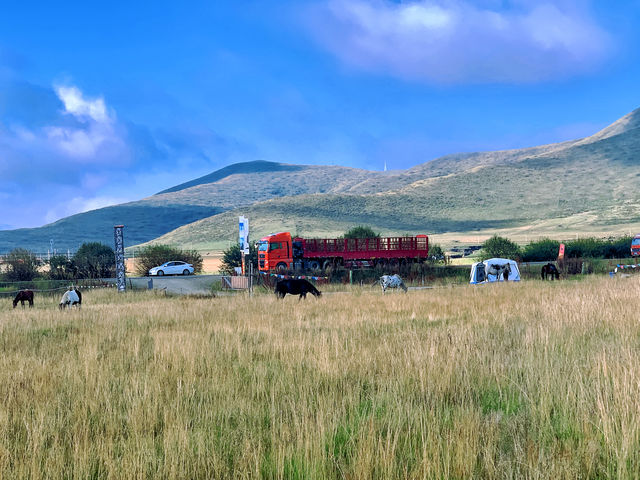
{"x":588,"y":182}
{"x":241,"y":167}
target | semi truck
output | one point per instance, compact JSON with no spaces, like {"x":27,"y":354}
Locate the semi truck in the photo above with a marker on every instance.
{"x":280,"y":252}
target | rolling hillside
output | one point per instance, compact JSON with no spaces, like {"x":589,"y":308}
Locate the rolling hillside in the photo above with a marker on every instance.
{"x":582,"y":186}
{"x":97,"y":226}
{"x":144,"y":220}
{"x":586,"y":186}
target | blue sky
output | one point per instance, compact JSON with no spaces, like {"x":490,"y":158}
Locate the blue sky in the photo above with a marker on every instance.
{"x":106,"y":103}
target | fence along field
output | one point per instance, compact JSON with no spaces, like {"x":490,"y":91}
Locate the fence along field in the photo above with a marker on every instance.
{"x":512,"y":380}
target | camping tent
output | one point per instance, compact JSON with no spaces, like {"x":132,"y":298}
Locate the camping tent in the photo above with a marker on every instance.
{"x":483,"y":272}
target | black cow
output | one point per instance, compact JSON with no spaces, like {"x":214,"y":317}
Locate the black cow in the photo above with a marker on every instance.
{"x":296,"y":287}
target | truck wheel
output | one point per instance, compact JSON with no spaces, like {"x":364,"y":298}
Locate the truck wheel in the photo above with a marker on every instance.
{"x":327,"y":265}
{"x":314,"y":265}
{"x":281,"y":267}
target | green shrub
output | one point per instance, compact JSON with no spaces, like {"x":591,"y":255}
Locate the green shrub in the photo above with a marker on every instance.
{"x":361,"y":231}
{"x":541,"y":251}
{"x":436,"y":254}
{"x":60,"y":268}
{"x":22,"y":265}
{"x":232,"y":257}
{"x":94,"y":260}
{"x":547,"y":250}
{"x":500,"y":247}
{"x":598,"y":248}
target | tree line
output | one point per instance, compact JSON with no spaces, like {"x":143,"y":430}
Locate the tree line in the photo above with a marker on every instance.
{"x":547,"y":250}
{"x":96,"y":260}
{"x":92,"y":260}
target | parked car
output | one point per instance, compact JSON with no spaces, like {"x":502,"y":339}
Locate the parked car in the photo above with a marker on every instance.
{"x":172,"y":268}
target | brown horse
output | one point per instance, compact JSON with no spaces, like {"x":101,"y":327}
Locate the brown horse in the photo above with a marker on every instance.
{"x":550,"y":271}
{"x":22,"y":296}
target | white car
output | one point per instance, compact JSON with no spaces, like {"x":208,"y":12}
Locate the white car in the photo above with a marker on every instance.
{"x":172,"y":268}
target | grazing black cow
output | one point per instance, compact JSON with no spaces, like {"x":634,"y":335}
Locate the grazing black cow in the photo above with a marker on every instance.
{"x":22,"y":296}
{"x":550,"y":270}
{"x":294,"y":286}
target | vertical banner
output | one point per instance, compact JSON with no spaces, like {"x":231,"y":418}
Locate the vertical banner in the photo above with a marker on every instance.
{"x":243,"y":240}
{"x":561,"y":251}
{"x":118,"y":238}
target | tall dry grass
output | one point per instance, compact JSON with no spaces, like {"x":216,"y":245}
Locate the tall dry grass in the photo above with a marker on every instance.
{"x":529,"y":380}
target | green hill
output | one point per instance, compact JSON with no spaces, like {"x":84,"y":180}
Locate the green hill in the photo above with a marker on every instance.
{"x":149,"y":222}
{"x":586,"y":186}
{"x":582,"y":186}
{"x":146,"y":219}
{"x":258,"y":166}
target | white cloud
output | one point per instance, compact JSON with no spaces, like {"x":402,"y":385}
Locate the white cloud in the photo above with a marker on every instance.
{"x":75,"y":104}
{"x":73,"y":146}
{"x":76,"y":143}
{"x":92,"y":136}
{"x":457,"y":41}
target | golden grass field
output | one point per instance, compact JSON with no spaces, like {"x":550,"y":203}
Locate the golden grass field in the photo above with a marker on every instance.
{"x":528,"y":380}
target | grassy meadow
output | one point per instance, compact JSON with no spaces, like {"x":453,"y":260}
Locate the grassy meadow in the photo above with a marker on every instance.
{"x":528,"y":380}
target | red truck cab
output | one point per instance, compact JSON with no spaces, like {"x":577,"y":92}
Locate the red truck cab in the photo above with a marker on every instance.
{"x":635,"y":246}
{"x":274,"y":252}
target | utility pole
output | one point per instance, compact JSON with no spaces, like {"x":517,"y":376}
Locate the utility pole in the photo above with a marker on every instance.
{"x":118,"y":237}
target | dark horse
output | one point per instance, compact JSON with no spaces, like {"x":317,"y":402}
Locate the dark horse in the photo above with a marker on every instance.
{"x":551,"y":271}
{"x":22,"y":296}
{"x":296,"y":287}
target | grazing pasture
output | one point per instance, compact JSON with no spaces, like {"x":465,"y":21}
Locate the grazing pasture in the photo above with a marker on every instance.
{"x":528,"y":380}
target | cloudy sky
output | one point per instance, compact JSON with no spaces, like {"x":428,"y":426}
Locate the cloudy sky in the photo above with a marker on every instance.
{"x":102,"y":103}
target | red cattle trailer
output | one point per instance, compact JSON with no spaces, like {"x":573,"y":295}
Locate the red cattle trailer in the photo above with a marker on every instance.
{"x":279,"y":252}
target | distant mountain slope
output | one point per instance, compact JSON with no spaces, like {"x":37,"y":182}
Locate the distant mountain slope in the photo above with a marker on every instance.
{"x":146,"y":219}
{"x":629,"y":122}
{"x":142,"y":222}
{"x":237,"y":168}
{"x":589,"y":183}
{"x":585,"y":185}
{"x":271,"y":180}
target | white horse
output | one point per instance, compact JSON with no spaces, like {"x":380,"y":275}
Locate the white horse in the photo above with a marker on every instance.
{"x":69,"y":299}
{"x":392,"y":281}
{"x":499,"y":270}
